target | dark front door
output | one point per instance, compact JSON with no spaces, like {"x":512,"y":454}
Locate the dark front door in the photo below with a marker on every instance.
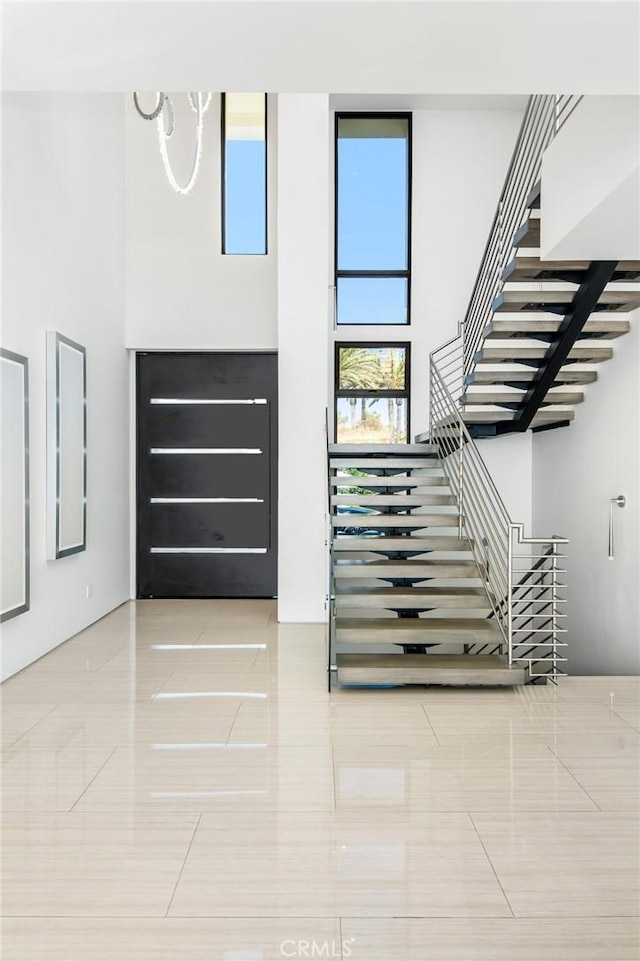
{"x":207,"y":475}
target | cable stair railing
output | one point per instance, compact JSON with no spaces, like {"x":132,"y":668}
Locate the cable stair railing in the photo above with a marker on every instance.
{"x":521,"y":575}
{"x":536,"y":329}
{"x":522,"y":614}
{"x":544,"y":117}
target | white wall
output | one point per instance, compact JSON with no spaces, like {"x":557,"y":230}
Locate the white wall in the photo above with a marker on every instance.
{"x":63,"y":266}
{"x":460,"y":160}
{"x":181,"y":292}
{"x":381,"y":46}
{"x":576,"y":472}
{"x":591,"y":183}
{"x":509,"y":460}
{"x":304,"y":147}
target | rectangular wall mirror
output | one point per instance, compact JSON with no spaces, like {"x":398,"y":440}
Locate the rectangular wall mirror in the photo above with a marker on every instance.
{"x":14,"y":486}
{"x":67,"y":446}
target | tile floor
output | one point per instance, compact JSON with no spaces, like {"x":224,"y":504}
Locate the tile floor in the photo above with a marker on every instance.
{"x":177,"y":785}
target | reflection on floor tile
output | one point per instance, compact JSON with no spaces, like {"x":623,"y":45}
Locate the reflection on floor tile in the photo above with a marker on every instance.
{"x":169,"y":939}
{"x":509,"y":939}
{"x":178,"y":785}
{"x":576,"y":865}
{"x":324,"y":865}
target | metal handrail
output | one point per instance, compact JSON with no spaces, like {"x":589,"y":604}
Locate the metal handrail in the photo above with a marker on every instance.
{"x":544,"y":116}
{"x":330,"y":586}
{"x":508,"y":562}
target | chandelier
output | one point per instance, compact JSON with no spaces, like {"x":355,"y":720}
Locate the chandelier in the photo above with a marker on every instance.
{"x":163,"y":114}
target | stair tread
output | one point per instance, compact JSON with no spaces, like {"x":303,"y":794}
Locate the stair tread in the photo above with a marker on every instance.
{"x":385,"y":463}
{"x":414,"y":598}
{"x":376,"y":521}
{"x":528,"y":267}
{"x":528,"y":233}
{"x":609,"y":300}
{"x":354,"y":569}
{"x":550,"y":414}
{"x":401,"y":501}
{"x":514,"y":373}
{"x":424,"y":450}
{"x":370,"y":480}
{"x":510,"y":396}
{"x":418,"y":591}
{"x":516,"y":349}
{"x":602,"y":326}
{"x":395,"y":544}
{"x":443,"y":669}
{"x":480,"y":628}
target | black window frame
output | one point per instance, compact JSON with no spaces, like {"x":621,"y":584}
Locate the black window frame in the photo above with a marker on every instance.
{"x":338,"y":274}
{"x":339,"y":392}
{"x":223,"y":179}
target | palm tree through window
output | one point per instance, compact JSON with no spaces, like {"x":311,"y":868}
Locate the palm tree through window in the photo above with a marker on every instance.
{"x":372,"y":393}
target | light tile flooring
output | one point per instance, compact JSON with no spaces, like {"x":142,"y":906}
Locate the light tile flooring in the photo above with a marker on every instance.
{"x":178,"y":785}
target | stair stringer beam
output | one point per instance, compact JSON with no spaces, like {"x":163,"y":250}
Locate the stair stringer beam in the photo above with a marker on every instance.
{"x":584,"y":303}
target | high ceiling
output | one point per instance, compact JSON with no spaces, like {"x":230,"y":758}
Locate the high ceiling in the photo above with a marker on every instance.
{"x":348,"y":46}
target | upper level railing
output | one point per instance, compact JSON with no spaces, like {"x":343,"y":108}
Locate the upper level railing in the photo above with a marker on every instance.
{"x":544,"y":116}
{"x":521,"y":575}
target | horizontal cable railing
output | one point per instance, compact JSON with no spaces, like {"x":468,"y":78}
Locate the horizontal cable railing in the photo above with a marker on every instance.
{"x":565,"y":105}
{"x":521,"y":575}
{"x":544,"y":116}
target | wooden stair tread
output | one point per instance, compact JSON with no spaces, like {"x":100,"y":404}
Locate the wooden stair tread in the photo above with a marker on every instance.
{"x":582,"y":350}
{"x":549,"y":414}
{"x":531,"y":299}
{"x":433,"y":480}
{"x":385,"y":463}
{"x":510,"y":396}
{"x":430,"y":669}
{"x":422,"y":569}
{"x":605,"y":327}
{"x":528,"y":234}
{"x":527,"y":267}
{"x":400,"y":501}
{"x":407,"y":630}
{"x":354,"y":595}
{"x":408,"y":543}
{"x":382,"y":450}
{"x":519,"y":373}
{"x":377,"y":521}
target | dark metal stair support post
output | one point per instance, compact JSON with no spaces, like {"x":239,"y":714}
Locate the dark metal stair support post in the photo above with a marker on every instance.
{"x":595,"y":280}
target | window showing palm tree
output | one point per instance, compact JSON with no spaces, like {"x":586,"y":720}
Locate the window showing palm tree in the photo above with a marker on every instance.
{"x":372,"y":393}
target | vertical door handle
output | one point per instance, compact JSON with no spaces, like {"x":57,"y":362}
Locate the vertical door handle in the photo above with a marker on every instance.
{"x":620,"y":501}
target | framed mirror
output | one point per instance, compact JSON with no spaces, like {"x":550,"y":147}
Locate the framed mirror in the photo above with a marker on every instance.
{"x":67,"y":446}
{"x":14,"y":486}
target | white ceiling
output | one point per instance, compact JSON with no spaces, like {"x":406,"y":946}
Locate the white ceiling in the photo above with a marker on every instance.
{"x":350,"y":46}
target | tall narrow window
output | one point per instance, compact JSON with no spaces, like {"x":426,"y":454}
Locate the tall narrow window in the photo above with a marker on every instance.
{"x":244,"y":173}
{"x":373,"y":218}
{"x":372,"y":393}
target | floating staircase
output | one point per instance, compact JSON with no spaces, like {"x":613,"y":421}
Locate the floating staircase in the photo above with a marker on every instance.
{"x":550,"y":325}
{"x":409,"y":605}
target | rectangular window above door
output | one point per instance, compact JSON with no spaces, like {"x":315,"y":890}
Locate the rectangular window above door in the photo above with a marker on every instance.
{"x":373,"y":218}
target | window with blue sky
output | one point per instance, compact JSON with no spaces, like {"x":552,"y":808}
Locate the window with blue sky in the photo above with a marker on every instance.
{"x":373,"y":157}
{"x":244,"y":181}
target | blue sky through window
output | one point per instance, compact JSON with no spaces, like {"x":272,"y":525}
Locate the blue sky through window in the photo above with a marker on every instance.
{"x":372,"y":300}
{"x":372,"y":218}
{"x":372,"y":203}
{"x":245,"y":197}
